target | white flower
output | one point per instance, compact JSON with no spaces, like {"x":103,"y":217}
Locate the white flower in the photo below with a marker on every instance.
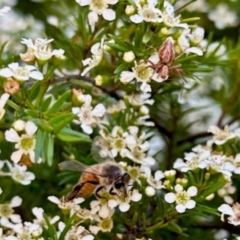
{"x":183,"y":42}
{"x":88,"y":116}
{"x":62,"y":204}
{"x":1,"y":191}
{"x":4,"y":10}
{"x":38,"y":213}
{"x":101,"y":208}
{"x":223,"y":17}
{"x":168,"y":17}
{"x":150,"y":191}
{"x":41,"y":48}
{"x":124,"y":205}
{"x":153,"y":181}
{"x":21,"y":73}
{"x":97,"y":51}
{"x":233,"y":211}
{"x":142,"y":73}
{"x":220,"y":136}
{"x":100,"y":7}
{"x":194,"y":160}
{"x":139,"y":100}
{"x":225,"y":192}
{"x":182,"y":198}
{"x":24,"y":143}
{"x":3,"y":100}
{"x":147,"y":12}
{"x":19,"y":173}
{"x":7,"y":212}
{"x":128,"y":56}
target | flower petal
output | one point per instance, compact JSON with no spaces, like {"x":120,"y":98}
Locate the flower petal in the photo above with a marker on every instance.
{"x":109,"y":14}
{"x":124,"y":207}
{"x":170,"y":197}
{"x":16,"y":202}
{"x":30,"y":128}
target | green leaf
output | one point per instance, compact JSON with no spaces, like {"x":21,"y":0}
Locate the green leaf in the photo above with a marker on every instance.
{"x":33,"y":91}
{"x":174,"y":227}
{"x":51,"y":229}
{"x":59,"y":103}
{"x":39,"y":144}
{"x":64,"y":120}
{"x":69,"y":135}
{"x":48,"y":148}
{"x":117,"y":47}
{"x":46,"y":103}
{"x":43,"y":125}
{"x":67,"y":227}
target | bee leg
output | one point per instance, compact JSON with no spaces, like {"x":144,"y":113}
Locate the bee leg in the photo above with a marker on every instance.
{"x":73,"y":194}
{"x":97,"y":192}
{"x":112,"y":191}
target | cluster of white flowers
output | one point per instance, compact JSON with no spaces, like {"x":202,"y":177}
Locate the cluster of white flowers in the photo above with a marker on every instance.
{"x":17,"y":173}
{"x":40,"y":49}
{"x":223,"y":17}
{"x":99,"y":8}
{"x":100,"y":213}
{"x":233,"y":212}
{"x":24,"y":140}
{"x":205,"y":158}
{"x":131,"y":144}
{"x":16,"y":228}
{"x":89,"y":116}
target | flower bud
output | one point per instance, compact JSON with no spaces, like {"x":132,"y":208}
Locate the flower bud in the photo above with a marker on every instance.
{"x":150,"y":191}
{"x":28,"y":57}
{"x":11,"y":86}
{"x":163,"y":32}
{"x":128,"y":56}
{"x":98,"y":80}
{"x":19,"y":125}
{"x":129,"y":10}
{"x":166,"y":52}
{"x":78,"y":98}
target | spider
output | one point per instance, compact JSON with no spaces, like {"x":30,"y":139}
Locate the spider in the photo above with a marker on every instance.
{"x":166,"y":55}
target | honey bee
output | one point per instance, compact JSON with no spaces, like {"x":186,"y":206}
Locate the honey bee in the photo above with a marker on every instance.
{"x":96,"y":177}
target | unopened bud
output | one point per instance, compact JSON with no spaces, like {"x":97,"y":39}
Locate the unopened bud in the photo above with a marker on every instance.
{"x":28,"y":56}
{"x":106,"y":47}
{"x":19,"y":125}
{"x":11,"y":86}
{"x":166,"y":52}
{"x":210,"y":197}
{"x":170,"y":175}
{"x":167,"y":184}
{"x":207,"y":176}
{"x":129,"y":10}
{"x":78,"y":98}
{"x":98,"y":80}
{"x":163,"y":32}
{"x":128,"y":56}
{"x":144,"y":110}
{"x":150,"y":191}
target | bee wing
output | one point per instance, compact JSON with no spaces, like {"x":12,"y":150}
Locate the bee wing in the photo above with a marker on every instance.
{"x":96,"y":151}
{"x":73,"y":165}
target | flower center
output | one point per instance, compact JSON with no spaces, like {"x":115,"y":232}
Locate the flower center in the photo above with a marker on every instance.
{"x":182,"y":197}
{"x":148,"y":15}
{"x":27,"y":143}
{"x":86,"y":116}
{"x":143,"y":72}
{"x":106,"y":225}
{"x":119,"y":143}
{"x":5,"y":210}
{"x":21,"y":72}
{"x":98,"y":5}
